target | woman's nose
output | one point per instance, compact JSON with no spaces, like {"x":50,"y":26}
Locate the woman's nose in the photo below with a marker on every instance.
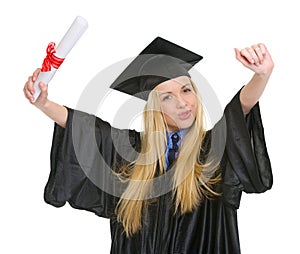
{"x":180,"y":102}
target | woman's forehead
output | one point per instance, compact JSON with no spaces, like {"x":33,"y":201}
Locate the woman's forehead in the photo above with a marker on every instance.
{"x":173,"y":83}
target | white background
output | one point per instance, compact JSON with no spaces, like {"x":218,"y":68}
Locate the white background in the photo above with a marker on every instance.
{"x":268,"y":223}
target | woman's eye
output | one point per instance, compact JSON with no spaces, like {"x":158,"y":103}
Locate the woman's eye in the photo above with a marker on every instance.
{"x":186,"y":90}
{"x":167,"y":97}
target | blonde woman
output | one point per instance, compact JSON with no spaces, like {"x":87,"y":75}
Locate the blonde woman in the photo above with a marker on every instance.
{"x":166,"y":194}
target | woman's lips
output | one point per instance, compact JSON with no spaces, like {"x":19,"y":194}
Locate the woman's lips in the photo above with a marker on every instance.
{"x":185,"y":115}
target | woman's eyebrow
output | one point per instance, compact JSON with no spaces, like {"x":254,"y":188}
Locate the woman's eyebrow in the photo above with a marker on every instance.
{"x":162,"y":93}
{"x":184,"y":86}
{"x":169,"y":92}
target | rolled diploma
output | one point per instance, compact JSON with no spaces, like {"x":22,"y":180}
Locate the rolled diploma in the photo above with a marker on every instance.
{"x":71,"y":37}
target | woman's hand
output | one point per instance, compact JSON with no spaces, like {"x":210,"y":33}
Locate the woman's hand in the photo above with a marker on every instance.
{"x":56,"y":112}
{"x":29,"y":91}
{"x":256,"y":58}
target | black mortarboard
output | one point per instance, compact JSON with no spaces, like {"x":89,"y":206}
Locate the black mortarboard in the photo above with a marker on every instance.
{"x":161,"y":60}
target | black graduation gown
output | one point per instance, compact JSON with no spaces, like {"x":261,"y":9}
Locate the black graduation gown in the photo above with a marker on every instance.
{"x":211,"y":228}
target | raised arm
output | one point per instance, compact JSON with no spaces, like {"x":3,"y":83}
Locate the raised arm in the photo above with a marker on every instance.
{"x":53,"y":110}
{"x":258,"y":59}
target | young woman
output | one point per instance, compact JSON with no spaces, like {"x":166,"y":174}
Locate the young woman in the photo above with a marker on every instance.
{"x":169,"y":197}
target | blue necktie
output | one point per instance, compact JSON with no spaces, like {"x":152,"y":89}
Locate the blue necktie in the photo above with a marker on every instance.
{"x":172,"y":151}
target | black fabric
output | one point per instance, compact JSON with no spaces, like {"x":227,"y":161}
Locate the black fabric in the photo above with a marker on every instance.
{"x":210,"y":229}
{"x":161,"y":60}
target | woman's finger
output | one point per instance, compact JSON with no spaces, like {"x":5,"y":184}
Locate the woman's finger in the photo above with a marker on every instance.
{"x":36,"y":73}
{"x":259,"y":53}
{"x":263,"y":48}
{"x":252,"y":56}
{"x":240,"y":58}
{"x":247,"y":55}
{"x":27,"y":93}
{"x":29,"y":84}
{"x":44,"y":91}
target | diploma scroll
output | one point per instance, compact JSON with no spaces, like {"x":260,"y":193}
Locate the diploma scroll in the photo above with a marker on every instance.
{"x":55,"y":56}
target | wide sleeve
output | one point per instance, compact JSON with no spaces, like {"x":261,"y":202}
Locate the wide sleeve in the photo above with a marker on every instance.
{"x":84,"y":156}
{"x":246,"y":161}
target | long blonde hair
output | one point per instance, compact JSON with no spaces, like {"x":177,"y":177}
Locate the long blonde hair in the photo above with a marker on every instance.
{"x":190,"y":184}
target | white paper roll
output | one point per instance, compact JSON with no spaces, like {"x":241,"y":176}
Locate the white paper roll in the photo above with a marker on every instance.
{"x":71,"y":37}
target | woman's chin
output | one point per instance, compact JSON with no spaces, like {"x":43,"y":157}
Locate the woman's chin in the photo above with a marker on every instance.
{"x":180,"y":125}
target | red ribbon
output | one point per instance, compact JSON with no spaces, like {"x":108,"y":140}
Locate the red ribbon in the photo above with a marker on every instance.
{"x":51,"y":59}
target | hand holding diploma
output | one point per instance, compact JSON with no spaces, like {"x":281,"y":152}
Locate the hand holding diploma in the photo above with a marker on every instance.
{"x":56,"y":55}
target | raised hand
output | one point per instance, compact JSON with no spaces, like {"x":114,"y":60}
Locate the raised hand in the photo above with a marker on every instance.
{"x":29,"y":90}
{"x":256,"y":58}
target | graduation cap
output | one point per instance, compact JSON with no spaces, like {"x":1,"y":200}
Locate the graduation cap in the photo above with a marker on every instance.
{"x":160,"y":61}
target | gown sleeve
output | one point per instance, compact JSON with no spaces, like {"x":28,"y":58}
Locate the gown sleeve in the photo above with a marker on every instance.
{"x":246,"y":165}
{"x":82,"y":156}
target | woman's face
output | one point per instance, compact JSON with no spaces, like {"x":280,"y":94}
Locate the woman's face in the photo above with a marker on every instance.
{"x":178,"y":102}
